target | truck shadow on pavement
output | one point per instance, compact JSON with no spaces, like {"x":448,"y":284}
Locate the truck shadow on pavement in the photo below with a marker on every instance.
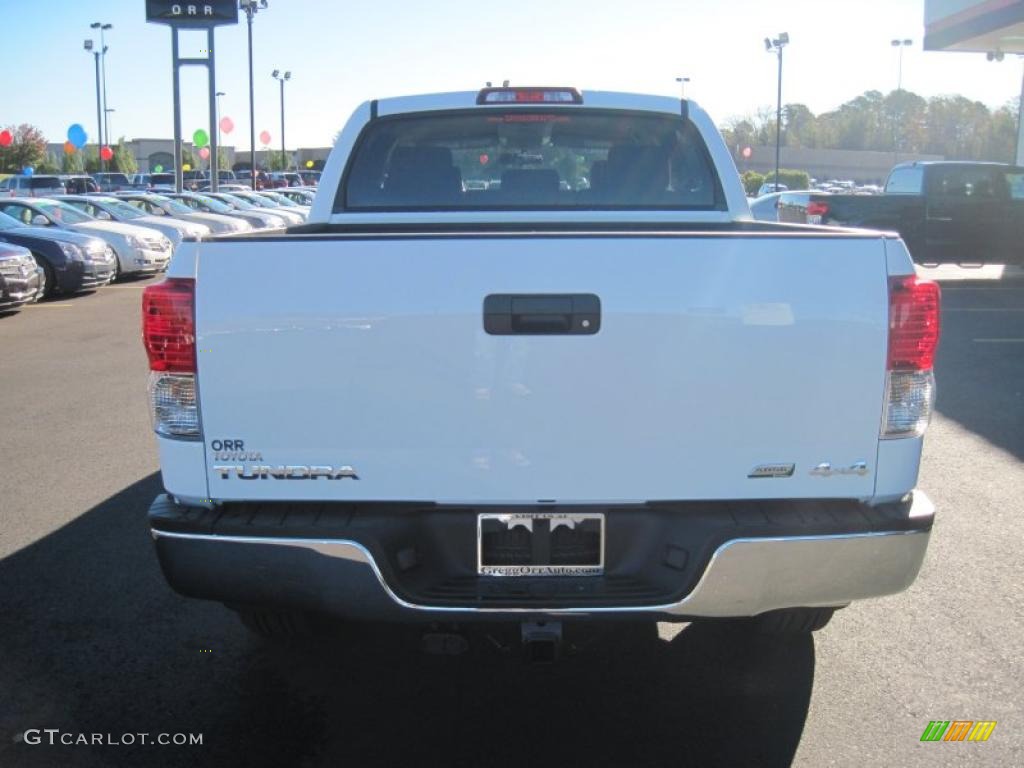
{"x":980,"y":384}
{"x":93,"y":641}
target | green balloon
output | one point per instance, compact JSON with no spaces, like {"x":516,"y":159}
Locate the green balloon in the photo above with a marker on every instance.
{"x":200,"y":138}
{"x":159,"y":169}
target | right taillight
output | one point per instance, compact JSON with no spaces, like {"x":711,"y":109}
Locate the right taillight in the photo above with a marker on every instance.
{"x":914,"y":309}
{"x":168,"y":332}
{"x":817,"y":208}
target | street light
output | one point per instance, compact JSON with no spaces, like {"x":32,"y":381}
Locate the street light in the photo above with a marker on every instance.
{"x":901,"y":44}
{"x":282,"y":79}
{"x":251,"y":7}
{"x":775,"y":46}
{"x":89,"y":46}
{"x":682,"y":86}
{"x":103,"y":68}
{"x":216,"y":119}
{"x":106,"y":120}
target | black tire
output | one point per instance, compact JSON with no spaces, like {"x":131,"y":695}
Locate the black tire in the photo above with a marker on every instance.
{"x":49,"y":279}
{"x":276,"y":624}
{"x":792,"y":621}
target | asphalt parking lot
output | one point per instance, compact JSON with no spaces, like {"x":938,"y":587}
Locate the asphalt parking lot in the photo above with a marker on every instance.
{"x":92,"y":640}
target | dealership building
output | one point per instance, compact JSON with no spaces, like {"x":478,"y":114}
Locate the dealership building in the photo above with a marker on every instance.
{"x":994,"y":28}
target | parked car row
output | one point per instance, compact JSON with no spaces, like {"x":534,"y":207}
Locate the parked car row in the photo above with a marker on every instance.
{"x":70,"y":243}
{"x":48,"y":185}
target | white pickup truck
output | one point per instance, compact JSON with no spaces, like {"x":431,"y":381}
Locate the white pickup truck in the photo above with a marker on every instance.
{"x":531,"y":359}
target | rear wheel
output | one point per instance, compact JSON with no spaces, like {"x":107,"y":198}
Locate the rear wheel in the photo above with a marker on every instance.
{"x":277,"y":624}
{"x":792,"y":621}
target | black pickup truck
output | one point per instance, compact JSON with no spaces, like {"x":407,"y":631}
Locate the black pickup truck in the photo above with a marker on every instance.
{"x":945,"y":211}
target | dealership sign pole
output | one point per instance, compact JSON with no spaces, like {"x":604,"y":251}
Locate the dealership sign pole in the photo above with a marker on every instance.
{"x":199,"y":15}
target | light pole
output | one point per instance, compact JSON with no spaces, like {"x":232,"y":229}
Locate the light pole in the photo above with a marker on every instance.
{"x":88,"y":45}
{"x":900,"y":44}
{"x":103,"y":69}
{"x":282,"y":79}
{"x":215,"y":168}
{"x":775,"y":45}
{"x":251,"y":7}
{"x":106,"y":121}
{"x":682,"y":86}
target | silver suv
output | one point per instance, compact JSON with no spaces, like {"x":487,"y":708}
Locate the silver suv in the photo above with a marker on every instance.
{"x":32,"y":186}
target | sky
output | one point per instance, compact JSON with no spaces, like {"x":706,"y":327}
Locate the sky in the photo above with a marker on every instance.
{"x":343,"y":53}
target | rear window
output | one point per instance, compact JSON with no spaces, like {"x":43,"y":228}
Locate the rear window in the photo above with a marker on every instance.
{"x":45,"y":182}
{"x":530,"y":160}
{"x":905,"y":181}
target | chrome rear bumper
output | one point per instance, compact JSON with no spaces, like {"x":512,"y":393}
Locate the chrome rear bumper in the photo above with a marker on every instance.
{"x":743,"y":577}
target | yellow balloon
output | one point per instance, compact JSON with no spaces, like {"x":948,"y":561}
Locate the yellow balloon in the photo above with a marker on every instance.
{"x":186,"y":167}
{"x":309,"y":163}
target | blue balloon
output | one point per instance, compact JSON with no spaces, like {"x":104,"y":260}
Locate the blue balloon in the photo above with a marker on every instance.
{"x":77,"y":135}
{"x":28,"y":170}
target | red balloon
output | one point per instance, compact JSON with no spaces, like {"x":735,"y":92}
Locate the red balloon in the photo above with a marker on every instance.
{"x":227,"y":125}
{"x":107,"y":153}
{"x":6,"y":138}
{"x":204,"y":153}
{"x":265,"y":138}
{"x":484,"y":159}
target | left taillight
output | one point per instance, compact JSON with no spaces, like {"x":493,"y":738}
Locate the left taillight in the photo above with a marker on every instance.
{"x":914,"y":315}
{"x":168,"y":333}
{"x":817,"y":208}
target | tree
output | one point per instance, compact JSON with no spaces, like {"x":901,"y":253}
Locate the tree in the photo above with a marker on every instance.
{"x":28,"y":149}
{"x":222,"y":160}
{"x":48,"y":164}
{"x":188,"y":158}
{"x":276,"y":160}
{"x":800,"y":126}
{"x":123,"y":160}
{"x":73,"y":163}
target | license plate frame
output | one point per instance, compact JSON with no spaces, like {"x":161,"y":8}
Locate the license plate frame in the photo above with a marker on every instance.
{"x":527,"y":519}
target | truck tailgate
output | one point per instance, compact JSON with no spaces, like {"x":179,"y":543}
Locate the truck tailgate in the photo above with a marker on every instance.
{"x":715,"y":355}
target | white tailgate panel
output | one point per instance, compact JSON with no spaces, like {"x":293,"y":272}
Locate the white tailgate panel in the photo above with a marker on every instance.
{"x":715,"y":355}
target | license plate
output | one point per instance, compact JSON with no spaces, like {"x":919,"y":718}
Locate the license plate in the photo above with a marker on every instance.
{"x":540,"y":544}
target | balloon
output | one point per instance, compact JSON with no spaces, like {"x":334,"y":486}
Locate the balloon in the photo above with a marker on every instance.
{"x":158,"y":169}
{"x":5,"y":138}
{"x":69,"y":148}
{"x":484,"y":159}
{"x":227,"y":125}
{"x":205,"y":153}
{"x":747,"y":152}
{"x":77,"y":135}
{"x":186,"y":167}
{"x":200,"y":138}
{"x":107,"y":153}
{"x":309,"y":163}
{"x":28,"y":170}
{"x":265,"y":138}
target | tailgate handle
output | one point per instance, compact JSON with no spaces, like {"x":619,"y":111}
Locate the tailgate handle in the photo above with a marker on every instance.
{"x":534,"y":314}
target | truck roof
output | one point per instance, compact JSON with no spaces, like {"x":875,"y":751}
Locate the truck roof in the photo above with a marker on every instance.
{"x":468,"y":100}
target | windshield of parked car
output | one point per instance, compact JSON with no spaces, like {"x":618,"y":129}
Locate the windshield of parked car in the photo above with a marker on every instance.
{"x":214,"y":205}
{"x":279,"y":198}
{"x":120,"y":208}
{"x":8,"y":222}
{"x":62,"y":213}
{"x":256,"y":201}
{"x":171,"y":205}
{"x":530,"y":159}
{"x":235,"y":202}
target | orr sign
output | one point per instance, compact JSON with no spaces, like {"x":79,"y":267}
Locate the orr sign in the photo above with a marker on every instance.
{"x":192,"y":14}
